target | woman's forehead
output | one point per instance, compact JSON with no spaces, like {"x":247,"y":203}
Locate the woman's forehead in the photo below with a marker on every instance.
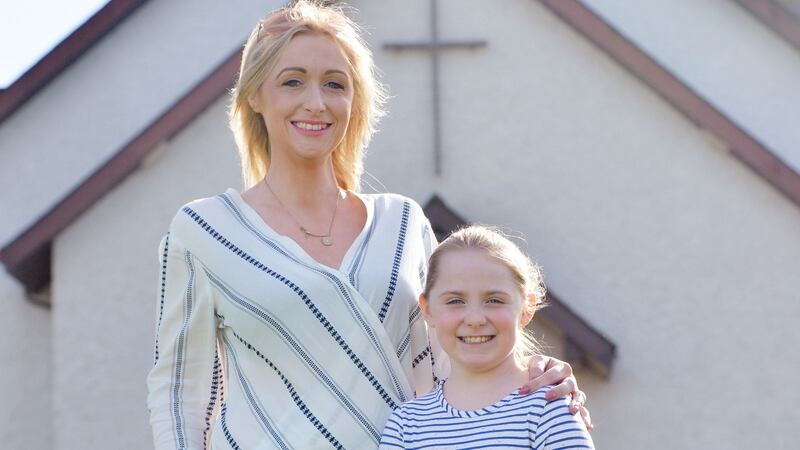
{"x":313,"y":48}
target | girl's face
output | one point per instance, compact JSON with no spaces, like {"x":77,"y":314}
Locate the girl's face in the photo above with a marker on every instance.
{"x":306,"y":99}
{"x":476,"y":309}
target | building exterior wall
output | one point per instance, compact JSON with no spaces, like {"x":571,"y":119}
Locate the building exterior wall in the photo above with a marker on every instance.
{"x":25,"y":349}
{"x":645,"y":225}
{"x":106,"y":268}
{"x":722,"y":51}
{"x":113,"y":92}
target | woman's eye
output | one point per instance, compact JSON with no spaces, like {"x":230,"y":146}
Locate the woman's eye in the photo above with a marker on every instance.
{"x":335,"y":85}
{"x":291,"y":83}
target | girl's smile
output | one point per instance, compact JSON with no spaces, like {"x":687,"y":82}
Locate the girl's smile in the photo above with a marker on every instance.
{"x":476,"y":308}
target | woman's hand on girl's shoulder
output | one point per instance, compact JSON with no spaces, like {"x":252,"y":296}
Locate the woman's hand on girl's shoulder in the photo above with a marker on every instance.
{"x":544,"y":370}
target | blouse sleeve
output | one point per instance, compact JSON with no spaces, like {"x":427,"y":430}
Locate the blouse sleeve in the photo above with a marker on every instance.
{"x":423,"y":343}
{"x":185,"y":379}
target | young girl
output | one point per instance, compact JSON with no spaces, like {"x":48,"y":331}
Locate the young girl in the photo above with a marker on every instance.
{"x":481,"y":291}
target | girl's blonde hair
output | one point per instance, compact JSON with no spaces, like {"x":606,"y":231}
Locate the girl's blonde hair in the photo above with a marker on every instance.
{"x":525,"y":272}
{"x":261,"y":52}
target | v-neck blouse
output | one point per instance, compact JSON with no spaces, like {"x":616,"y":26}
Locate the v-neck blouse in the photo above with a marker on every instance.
{"x":258,"y":345}
{"x":255,"y":218}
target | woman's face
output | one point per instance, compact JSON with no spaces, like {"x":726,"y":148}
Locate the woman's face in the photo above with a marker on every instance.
{"x":306,"y":99}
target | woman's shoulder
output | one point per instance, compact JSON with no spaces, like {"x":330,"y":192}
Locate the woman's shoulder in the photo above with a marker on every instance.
{"x":392,"y":201}
{"x":201,"y":213}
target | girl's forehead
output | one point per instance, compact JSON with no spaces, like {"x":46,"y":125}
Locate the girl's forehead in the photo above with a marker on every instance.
{"x":472,"y":266}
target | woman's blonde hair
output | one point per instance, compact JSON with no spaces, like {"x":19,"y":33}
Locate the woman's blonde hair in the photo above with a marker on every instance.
{"x":527,"y":275}
{"x":261,"y":52}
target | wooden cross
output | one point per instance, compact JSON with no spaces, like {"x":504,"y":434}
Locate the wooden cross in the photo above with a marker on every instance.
{"x":435,"y":46}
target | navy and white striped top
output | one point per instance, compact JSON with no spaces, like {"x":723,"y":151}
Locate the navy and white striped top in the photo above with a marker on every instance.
{"x":516,"y":421}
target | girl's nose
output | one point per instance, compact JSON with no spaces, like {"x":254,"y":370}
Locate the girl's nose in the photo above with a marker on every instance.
{"x":475,"y":317}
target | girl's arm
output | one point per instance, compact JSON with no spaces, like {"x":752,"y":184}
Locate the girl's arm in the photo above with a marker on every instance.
{"x":557,"y":428}
{"x":544,"y":370}
{"x":393,"y":436}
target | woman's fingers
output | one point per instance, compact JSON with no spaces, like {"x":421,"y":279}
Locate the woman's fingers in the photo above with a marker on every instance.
{"x":555,"y":372}
{"x":537,"y":366}
{"x":577,"y":402}
{"x":587,"y":419}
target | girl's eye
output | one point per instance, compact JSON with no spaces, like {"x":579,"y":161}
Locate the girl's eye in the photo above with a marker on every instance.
{"x":291,"y":83}
{"x":454,"y":301}
{"x":495,"y":300}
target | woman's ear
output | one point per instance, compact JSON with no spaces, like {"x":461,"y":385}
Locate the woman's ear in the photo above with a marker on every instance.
{"x":251,"y":100}
{"x":528,"y":310}
{"x":425,"y":308}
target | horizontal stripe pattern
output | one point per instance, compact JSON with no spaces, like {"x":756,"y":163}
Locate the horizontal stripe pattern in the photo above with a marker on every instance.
{"x":516,"y":421}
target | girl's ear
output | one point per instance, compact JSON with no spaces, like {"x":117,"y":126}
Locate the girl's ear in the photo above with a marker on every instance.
{"x":424,"y":307}
{"x":528,"y":309}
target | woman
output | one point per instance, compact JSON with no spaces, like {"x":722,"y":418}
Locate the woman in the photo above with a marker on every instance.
{"x":288,"y":315}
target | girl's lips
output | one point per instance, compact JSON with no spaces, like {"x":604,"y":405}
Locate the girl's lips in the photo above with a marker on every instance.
{"x":475,"y":339}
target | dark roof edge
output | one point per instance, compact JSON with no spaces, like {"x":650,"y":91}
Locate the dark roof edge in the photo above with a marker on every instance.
{"x":584,"y":342}
{"x":18,"y":253}
{"x":776,"y":17}
{"x":748,"y":149}
{"x":64,"y":54}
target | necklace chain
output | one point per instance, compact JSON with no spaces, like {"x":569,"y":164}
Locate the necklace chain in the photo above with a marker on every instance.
{"x":326,"y":238}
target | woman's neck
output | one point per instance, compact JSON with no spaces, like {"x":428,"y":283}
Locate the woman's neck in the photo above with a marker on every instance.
{"x":309,"y":186}
{"x":469,"y":390}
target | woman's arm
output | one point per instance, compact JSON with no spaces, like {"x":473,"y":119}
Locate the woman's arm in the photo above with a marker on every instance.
{"x":186,"y":377}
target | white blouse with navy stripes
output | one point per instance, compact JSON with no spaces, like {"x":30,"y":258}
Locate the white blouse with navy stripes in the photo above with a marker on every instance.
{"x":516,"y":421}
{"x":258,"y":346}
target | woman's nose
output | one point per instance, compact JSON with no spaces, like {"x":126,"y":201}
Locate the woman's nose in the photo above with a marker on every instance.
{"x":314,"y":101}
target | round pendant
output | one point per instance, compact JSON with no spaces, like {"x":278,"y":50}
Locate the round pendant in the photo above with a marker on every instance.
{"x":326,"y":241}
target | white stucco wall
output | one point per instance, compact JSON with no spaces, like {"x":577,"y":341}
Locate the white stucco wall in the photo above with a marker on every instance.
{"x":728,"y":55}
{"x":646,"y":225}
{"x":111,"y":94}
{"x":25,"y":349}
{"x":106,"y":270}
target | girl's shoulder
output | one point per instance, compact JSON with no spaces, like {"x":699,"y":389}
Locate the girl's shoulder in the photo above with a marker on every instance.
{"x":426,"y":402}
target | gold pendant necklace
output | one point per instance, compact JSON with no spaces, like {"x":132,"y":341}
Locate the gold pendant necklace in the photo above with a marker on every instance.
{"x":326,"y":238}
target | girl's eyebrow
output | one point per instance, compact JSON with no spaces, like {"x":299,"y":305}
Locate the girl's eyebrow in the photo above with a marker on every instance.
{"x":461,"y":294}
{"x":458,"y":293}
{"x":302,"y":70}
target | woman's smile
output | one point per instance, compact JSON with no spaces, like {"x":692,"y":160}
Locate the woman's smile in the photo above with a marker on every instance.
{"x":311,"y":127}
{"x":306,"y":99}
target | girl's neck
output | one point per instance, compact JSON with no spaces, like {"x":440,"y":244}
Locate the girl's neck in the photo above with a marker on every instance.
{"x":470,"y":390}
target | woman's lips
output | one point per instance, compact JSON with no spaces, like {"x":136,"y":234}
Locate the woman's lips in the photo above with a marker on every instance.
{"x":311,"y":128}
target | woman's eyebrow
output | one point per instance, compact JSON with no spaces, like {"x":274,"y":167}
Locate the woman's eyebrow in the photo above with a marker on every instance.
{"x":302,"y":70}
{"x":291,"y":69}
